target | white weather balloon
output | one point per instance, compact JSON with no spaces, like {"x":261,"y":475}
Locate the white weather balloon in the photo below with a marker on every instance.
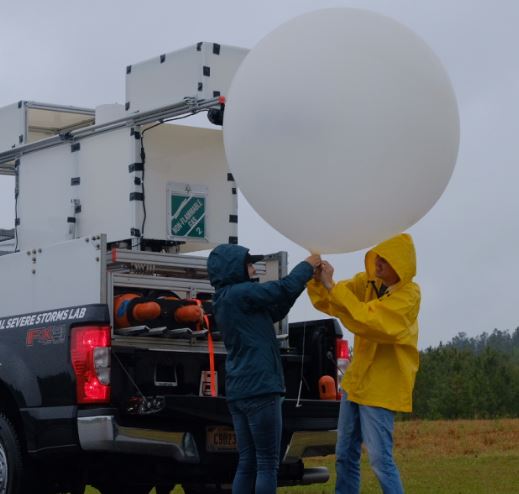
{"x":341,"y":129}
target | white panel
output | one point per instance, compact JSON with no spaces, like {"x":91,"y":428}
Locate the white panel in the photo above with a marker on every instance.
{"x":152,"y":84}
{"x":105,"y":187}
{"x":44,"y":200}
{"x":194,"y":156}
{"x":66,"y":274}
{"x":12,"y":126}
{"x":168,"y":79}
{"x":223,"y":67}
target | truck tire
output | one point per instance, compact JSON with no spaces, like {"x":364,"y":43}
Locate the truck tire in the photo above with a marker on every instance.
{"x":11,"y":466}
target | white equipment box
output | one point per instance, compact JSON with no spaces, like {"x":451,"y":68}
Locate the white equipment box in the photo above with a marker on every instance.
{"x":27,"y":121}
{"x":145,"y":183}
{"x":204,"y":71}
{"x":67,"y":274}
{"x":182,"y":193}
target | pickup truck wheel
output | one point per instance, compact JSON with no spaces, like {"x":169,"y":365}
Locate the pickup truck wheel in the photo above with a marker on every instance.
{"x":10,"y":458}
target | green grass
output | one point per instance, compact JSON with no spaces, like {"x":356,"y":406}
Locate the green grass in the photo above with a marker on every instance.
{"x":439,"y":457}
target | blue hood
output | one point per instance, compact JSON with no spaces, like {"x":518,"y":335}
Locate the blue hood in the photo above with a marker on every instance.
{"x":226,"y":265}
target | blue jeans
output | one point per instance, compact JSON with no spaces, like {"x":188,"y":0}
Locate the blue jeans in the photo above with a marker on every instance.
{"x":257,"y":424}
{"x":372,"y":426}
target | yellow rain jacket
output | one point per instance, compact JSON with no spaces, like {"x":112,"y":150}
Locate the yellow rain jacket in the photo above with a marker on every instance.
{"x":385,"y":355}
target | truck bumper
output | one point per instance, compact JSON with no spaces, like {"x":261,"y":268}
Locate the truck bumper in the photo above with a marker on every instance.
{"x":310,"y":443}
{"x":103,"y":433}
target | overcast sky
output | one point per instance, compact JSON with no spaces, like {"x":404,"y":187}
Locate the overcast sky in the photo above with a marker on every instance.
{"x":75,"y":53}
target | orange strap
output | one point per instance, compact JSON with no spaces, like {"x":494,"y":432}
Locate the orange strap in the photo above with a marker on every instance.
{"x":210,"y":348}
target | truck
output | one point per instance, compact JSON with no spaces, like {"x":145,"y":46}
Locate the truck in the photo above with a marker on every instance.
{"x":113,"y":206}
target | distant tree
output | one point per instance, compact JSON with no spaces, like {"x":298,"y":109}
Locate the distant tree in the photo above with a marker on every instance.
{"x":469,"y":378}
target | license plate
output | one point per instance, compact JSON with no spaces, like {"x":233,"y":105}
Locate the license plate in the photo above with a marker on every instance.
{"x":220,"y":438}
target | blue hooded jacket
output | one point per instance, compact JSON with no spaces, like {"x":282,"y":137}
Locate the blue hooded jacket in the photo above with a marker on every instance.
{"x":245,"y":312}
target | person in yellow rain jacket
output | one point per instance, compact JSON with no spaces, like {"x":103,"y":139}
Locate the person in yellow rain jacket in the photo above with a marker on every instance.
{"x":380,"y":307}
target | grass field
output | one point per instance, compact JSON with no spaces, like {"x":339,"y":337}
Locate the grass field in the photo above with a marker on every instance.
{"x":441,"y":457}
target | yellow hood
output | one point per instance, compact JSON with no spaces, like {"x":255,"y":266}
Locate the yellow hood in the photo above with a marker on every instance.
{"x":399,"y":252}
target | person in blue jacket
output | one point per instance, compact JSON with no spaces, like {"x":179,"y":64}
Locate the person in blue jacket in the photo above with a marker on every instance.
{"x":245,"y":312}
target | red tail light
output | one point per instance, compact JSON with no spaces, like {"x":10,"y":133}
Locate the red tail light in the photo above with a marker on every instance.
{"x":342,"y":355}
{"x":90,"y":355}
{"x":342,"y":350}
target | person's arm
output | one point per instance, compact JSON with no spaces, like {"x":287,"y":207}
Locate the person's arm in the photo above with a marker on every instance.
{"x":280,"y":311}
{"x":323,"y":277}
{"x":384,"y":320}
{"x":280,"y":295}
{"x":319,"y":296}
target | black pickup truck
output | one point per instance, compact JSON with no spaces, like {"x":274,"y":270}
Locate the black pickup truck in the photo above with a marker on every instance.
{"x":125,"y":410}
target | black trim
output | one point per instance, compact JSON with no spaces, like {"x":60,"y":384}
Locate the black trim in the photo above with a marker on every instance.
{"x":206,"y":71}
{"x":233,"y":218}
{"x":17,"y":221}
{"x":199,"y":46}
{"x":71,"y":219}
{"x":135,"y":133}
{"x":216,"y":48}
{"x":135,"y":232}
{"x":17,"y":162}
{"x":128,"y":69}
{"x":75,"y":147}
{"x":230,"y":178}
{"x":75,"y":180}
{"x":162,"y":58}
{"x":135,"y":167}
{"x":233,"y":240}
{"x":136,"y":196}
{"x":127,"y":106}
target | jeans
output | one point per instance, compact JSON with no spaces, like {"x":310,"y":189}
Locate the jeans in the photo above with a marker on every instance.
{"x":372,"y":426}
{"x":257,"y":424}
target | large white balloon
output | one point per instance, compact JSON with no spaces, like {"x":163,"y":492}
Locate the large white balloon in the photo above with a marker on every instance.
{"x":341,"y":129}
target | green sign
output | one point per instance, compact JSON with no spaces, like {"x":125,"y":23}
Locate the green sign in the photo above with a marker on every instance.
{"x":187,"y":216}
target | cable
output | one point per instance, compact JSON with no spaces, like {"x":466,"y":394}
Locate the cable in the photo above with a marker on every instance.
{"x":16,"y":193}
{"x":143,"y":161}
{"x":130,"y":377}
{"x":329,"y":356}
{"x":298,"y":404}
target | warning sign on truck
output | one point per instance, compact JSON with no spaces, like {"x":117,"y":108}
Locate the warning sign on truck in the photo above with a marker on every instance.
{"x":186,"y":211}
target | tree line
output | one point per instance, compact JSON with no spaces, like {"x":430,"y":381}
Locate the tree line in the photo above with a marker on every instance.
{"x":469,"y":378}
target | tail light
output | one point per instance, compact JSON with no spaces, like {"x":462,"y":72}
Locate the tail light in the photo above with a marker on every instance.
{"x":90,"y":355}
{"x":342,"y":356}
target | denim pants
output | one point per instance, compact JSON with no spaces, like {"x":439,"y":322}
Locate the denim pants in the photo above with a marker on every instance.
{"x":257,"y":424}
{"x":372,"y":426}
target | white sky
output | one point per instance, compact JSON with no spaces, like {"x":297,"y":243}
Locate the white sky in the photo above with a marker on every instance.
{"x":75,"y":53}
